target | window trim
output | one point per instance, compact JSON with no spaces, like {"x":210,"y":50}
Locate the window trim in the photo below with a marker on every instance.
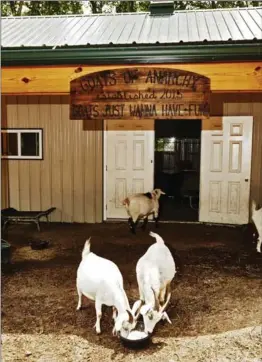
{"x":24,"y":130}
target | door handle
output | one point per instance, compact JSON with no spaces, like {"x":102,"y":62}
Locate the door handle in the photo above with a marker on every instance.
{"x":246,"y":179}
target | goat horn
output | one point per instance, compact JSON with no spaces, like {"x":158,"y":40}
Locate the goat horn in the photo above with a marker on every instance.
{"x":156,"y":300}
{"x":138,"y":309}
{"x":130,"y":316}
{"x":168,"y":293}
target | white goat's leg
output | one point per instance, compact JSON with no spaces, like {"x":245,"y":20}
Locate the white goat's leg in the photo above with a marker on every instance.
{"x":114,"y":314}
{"x":114,"y":318}
{"x":141,"y":292}
{"x":259,"y":242}
{"x":98,"y":307}
{"x":79,"y":299}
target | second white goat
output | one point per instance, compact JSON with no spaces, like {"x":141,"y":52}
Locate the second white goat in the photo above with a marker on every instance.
{"x":100,"y":280}
{"x":155,"y":270}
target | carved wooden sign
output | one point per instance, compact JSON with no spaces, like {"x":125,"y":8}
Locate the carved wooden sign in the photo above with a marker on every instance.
{"x":137,"y":93}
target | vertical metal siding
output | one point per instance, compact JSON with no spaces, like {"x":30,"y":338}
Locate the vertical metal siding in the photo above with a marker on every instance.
{"x":34,"y":167}
{"x":99,"y":169}
{"x":4,"y":163}
{"x":70,"y":175}
{"x":14,"y":175}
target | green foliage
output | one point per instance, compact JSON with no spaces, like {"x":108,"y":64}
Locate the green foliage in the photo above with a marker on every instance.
{"x":138,"y":6}
{"x":97,"y":6}
{"x":11,"y":8}
{"x":186,"y":5}
{"x":119,"y":6}
{"x":20,"y":8}
{"x":131,"y":6}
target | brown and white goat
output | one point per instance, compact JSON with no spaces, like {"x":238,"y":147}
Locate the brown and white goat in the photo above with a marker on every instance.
{"x":140,"y":206}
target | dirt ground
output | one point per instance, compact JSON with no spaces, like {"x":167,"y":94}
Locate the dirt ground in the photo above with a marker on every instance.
{"x":215,"y":308}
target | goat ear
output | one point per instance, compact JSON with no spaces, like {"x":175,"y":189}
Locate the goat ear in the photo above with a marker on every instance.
{"x":162,"y":192}
{"x":136,"y":308}
{"x":144,"y":309}
{"x":165,"y":317}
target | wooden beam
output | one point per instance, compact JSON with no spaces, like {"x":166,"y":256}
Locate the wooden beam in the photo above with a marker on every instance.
{"x":224,"y":77}
{"x":214,"y":123}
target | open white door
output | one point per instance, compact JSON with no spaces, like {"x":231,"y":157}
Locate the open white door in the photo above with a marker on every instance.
{"x":129,"y":162}
{"x":225,"y":172}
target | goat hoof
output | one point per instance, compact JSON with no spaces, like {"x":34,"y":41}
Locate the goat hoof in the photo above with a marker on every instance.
{"x":98,"y":331}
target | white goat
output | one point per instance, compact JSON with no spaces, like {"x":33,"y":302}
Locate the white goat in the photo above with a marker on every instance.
{"x":140,"y":206}
{"x":257,"y":220}
{"x":155,"y":271}
{"x":100,"y":280}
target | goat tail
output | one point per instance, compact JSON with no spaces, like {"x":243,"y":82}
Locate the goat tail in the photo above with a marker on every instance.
{"x":158,"y":238}
{"x":86,"y":249}
{"x":126,"y":201}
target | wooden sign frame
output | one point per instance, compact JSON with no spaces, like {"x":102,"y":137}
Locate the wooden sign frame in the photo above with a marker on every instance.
{"x":140,"y":93}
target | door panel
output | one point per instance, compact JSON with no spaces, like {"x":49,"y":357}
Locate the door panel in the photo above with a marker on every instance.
{"x":129,"y":162}
{"x":225,"y":172}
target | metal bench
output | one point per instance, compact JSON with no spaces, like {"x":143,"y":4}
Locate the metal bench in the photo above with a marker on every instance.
{"x":11,"y":215}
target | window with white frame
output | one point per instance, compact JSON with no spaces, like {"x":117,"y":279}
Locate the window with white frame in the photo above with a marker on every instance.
{"x":22,"y":143}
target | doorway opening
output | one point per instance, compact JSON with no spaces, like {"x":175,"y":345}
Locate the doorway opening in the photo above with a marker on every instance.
{"x":177,"y":168}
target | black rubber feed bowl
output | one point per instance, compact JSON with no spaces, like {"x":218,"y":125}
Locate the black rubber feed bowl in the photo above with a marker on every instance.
{"x":136,"y":343}
{"x":38,"y":244}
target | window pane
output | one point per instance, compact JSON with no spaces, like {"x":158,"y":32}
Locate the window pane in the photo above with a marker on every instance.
{"x":9,"y":144}
{"x":29,"y":144}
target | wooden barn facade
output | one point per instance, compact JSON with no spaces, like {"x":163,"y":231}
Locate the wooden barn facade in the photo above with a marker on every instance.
{"x":81,"y":97}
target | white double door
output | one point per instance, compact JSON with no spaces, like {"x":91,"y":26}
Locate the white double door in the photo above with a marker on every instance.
{"x":225,"y":168}
{"x":129,"y":162}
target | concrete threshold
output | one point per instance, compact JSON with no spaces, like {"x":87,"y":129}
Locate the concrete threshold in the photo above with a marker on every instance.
{"x":116,"y":221}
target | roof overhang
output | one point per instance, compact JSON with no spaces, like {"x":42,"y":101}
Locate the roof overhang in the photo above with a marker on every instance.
{"x":133,"y":54}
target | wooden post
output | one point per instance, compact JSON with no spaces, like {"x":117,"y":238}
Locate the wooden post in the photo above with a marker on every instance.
{"x":4,"y":163}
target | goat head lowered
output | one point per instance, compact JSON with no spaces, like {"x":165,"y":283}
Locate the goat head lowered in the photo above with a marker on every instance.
{"x":155,"y":271}
{"x":100,"y":280}
{"x":152,"y":314}
{"x":123,"y":324}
